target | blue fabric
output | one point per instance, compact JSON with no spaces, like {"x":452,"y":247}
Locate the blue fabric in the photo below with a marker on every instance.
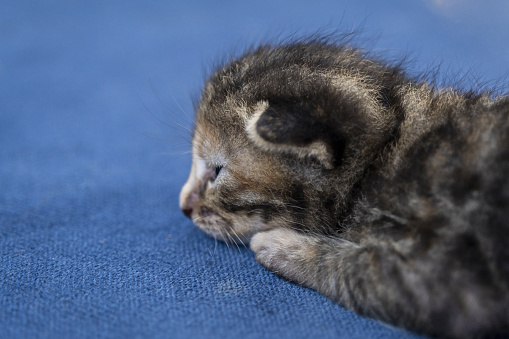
{"x":94,"y":107}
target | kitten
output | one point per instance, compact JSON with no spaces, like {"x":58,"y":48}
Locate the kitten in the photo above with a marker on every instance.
{"x":348,"y":176}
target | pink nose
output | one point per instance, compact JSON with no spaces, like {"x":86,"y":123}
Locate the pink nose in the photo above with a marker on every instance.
{"x":187,"y":212}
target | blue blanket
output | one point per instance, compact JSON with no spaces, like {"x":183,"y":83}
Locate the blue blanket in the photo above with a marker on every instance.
{"x":94,"y":117}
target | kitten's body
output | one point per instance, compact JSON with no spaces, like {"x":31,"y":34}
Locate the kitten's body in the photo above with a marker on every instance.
{"x":348,"y":177}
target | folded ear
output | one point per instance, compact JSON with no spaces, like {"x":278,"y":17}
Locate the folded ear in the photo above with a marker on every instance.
{"x":295,"y":129}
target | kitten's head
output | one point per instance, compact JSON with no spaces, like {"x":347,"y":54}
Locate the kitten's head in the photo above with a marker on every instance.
{"x":281,"y":136}
{"x":238,"y":185}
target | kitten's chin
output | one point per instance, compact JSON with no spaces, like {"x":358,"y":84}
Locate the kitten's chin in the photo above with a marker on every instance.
{"x":236,"y":228}
{"x":226,"y":236}
{"x":223,"y":230}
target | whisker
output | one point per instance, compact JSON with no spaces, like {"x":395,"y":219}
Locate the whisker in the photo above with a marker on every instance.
{"x":225,"y":240}
{"x":175,"y":125}
{"x":158,"y":97}
{"x":180,"y":107}
{"x":152,"y":114}
{"x":234,"y":242}
{"x":237,"y":236}
{"x":185,"y":140}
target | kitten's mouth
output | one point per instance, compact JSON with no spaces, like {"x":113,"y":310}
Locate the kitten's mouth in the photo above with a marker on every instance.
{"x":218,"y":227}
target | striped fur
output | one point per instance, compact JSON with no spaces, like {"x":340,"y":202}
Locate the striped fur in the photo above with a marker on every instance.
{"x":348,"y":176}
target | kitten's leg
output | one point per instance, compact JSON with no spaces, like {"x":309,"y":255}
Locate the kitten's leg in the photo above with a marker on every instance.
{"x":374,"y":280}
{"x":316,"y":262}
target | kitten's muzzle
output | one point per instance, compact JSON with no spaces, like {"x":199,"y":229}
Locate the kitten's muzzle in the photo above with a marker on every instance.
{"x":197,"y":182}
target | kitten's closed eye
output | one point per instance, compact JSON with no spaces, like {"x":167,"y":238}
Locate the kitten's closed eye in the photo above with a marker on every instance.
{"x":214,"y":173}
{"x":218,"y":170}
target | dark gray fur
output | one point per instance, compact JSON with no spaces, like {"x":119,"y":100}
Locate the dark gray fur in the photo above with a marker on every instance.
{"x":407,"y":218}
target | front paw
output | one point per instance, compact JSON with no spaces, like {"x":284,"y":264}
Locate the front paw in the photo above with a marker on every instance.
{"x":285,"y":252}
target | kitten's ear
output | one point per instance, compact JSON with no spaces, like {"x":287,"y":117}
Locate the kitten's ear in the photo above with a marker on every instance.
{"x":288,"y":128}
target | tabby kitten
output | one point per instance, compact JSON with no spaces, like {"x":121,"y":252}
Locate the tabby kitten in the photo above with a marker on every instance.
{"x":348,"y":176}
